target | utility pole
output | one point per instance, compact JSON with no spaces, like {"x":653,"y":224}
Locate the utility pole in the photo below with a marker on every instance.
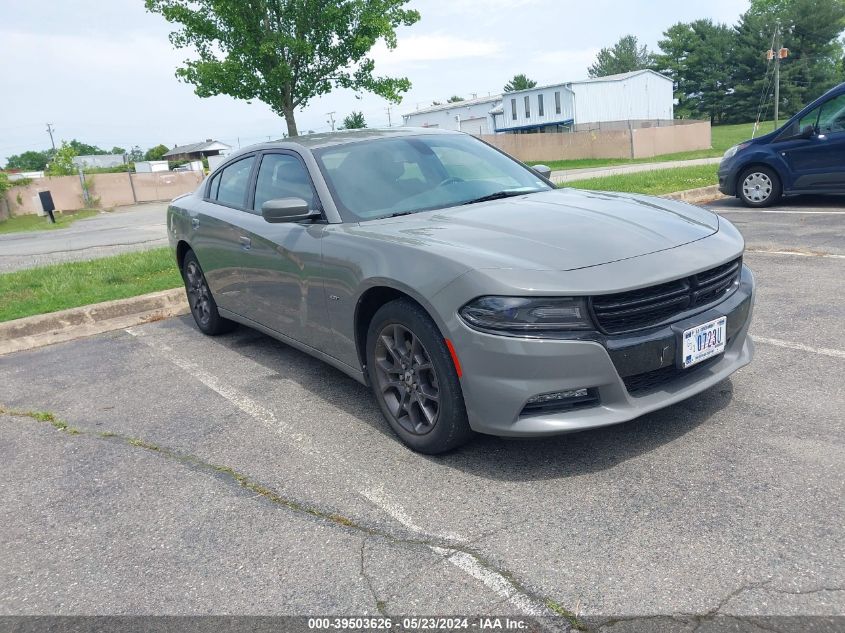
{"x":331,"y":119}
{"x":50,"y":132}
{"x":389,"y":122}
{"x":777,"y":53}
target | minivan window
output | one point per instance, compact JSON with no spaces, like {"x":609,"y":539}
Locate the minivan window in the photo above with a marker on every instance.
{"x":234,"y":180}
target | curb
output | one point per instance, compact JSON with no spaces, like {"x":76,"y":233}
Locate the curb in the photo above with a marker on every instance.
{"x":66,"y":325}
{"x":702,"y":194}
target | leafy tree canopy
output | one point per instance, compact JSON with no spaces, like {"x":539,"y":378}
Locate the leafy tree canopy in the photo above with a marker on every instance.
{"x":454,"y":99}
{"x":84,"y":149}
{"x":285,"y":52}
{"x":62,"y":163}
{"x":519,"y":82}
{"x":696,"y":56}
{"x":156,"y":153}
{"x":623,"y":57}
{"x":29,"y":161}
{"x":354,"y":121}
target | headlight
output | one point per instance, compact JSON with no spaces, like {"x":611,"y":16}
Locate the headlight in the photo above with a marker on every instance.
{"x":524,"y":315}
{"x":733,"y":150}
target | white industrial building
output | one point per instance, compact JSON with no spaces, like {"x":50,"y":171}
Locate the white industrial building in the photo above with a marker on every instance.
{"x":472,"y":116}
{"x":641,"y":95}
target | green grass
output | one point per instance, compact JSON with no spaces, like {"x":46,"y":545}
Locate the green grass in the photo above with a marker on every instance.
{"x":19,"y":223}
{"x":61,"y":286}
{"x":656,"y":182}
{"x":722,"y":137}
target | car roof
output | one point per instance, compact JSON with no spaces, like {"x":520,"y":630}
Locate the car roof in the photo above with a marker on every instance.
{"x":329,"y":139}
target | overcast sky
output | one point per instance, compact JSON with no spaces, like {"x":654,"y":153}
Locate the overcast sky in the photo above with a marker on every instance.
{"x":102,"y":71}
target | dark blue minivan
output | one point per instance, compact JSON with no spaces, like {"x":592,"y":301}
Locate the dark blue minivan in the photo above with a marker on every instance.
{"x":806,"y":155}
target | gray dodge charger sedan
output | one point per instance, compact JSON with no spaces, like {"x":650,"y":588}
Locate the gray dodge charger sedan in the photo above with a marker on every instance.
{"x":467,"y":291}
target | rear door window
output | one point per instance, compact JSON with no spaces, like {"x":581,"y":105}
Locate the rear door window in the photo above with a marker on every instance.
{"x":234,"y":182}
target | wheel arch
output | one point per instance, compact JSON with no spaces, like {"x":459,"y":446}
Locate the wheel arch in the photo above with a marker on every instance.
{"x":182,"y":248}
{"x":758,"y":163}
{"x":373,"y":298}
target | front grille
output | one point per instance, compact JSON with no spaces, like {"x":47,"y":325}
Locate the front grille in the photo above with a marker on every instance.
{"x":645,"y":307}
{"x":645,"y":383}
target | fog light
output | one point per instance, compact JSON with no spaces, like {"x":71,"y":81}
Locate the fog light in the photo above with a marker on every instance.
{"x":558,"y":395}
{"x":560,"y":401}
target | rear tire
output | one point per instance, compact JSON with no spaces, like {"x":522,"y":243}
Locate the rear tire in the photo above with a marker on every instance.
{"x":414,"y":379}
{"x":202,"y":304}
{"x":759,"y":187}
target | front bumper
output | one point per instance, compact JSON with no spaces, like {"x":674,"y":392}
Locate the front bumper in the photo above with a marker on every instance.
{"x":632,"y":374}
{"x":727,"y":178}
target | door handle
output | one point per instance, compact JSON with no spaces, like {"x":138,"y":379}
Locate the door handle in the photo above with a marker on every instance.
{"x":195,"y":223}
{"x":246,"y":243}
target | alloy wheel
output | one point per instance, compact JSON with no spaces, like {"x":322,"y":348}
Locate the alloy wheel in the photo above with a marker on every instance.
{"x":757,"y":187}
{"x":199,"y":296}
{"x":407,"y":381}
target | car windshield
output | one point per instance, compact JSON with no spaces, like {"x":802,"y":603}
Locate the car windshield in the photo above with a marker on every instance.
{"x":385,"y":177}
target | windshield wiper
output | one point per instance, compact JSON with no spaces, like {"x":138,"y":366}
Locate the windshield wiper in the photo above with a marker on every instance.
{"x":498,"y":195}
{"x":399,"y":214}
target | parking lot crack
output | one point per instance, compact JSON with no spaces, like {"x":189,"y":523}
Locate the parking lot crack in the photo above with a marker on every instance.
{"x":381,"y":605}
{"x":498,"y":579}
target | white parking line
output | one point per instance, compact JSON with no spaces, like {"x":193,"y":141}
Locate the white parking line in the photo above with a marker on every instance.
{"x":467,"y":563}
{"x":241,"y":401}
{"x":824,"y":351}
{"x":827,"y":255}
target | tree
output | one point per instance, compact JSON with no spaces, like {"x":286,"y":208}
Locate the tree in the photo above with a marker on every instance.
{"x":28,"y":161}
{"x":355,"y":121}
{"x":83,"y":149}
{"x":519,"y":82}
{"x":696,"y":55}
{"x":285,"y":52}
{"x":810,"y":29}
{"x":623,"y":57}
{"x":62,"y":163}
{"x":156,"y":153}
{"x":117,"y":150}
{"x":454,"y":99}
{"x":135,"y":154}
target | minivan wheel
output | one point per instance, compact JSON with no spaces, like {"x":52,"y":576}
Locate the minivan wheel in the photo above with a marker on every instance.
{"x":414,"y":380}
{"x":759,"y":187}
{"x":202,"y":304}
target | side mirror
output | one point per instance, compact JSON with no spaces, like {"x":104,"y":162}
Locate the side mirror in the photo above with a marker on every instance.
{"x":809,"y":131}
{"x":287,"y":210}
{"x":545,"y":172}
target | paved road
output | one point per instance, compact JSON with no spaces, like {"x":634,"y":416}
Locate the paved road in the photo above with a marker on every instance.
{"x":128,"y":228}
{"x":597,"y":172}
{"x":263,"y":481}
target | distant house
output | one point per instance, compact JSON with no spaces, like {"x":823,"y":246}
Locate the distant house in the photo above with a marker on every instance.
{"x":99,"y":160}
{"x":198,"y":151}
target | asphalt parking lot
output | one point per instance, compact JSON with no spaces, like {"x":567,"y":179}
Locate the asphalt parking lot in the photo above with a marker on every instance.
{"x":237,"y":475}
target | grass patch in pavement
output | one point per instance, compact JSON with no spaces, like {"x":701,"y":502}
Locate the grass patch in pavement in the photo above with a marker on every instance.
{"x":654,"y":183}
{"x":21,"y":223}
{"x":60,"y":286}
{"x":722,"y":137}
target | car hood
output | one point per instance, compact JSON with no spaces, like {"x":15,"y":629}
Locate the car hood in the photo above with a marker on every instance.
{"x":563,"y":229}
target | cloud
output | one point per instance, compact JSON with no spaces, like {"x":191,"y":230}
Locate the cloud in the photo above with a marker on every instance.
{"x":425,"y":48}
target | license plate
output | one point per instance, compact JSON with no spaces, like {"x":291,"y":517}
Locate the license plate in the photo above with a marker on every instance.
{"x":704,"y":341}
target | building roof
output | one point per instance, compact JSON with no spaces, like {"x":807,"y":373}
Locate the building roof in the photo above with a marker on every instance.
{"x":455,"y":104}
{"x":568,"y":84}
{"x":206,"y":146}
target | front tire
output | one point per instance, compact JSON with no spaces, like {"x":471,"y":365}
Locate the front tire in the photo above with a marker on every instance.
{"x":202,"y":304}
{"x":414,"y":379}
{"x":759,"y":187}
